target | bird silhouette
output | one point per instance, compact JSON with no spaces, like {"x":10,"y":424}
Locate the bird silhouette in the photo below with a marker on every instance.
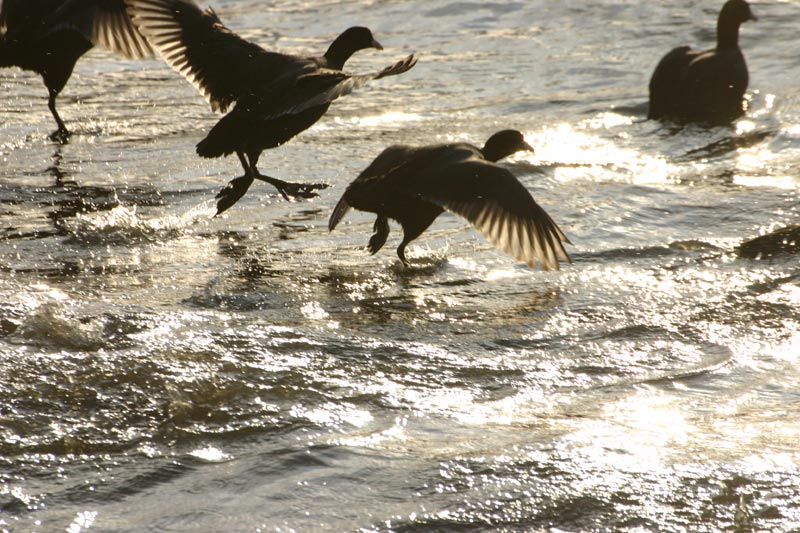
{"x":704,"y":86}
{"x":414,"y":185}
{"x":49,"y":36}
{"x":276,"y":95}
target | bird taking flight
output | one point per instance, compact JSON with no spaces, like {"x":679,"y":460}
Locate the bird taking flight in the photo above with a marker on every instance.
{"x":415,"y":185}
{"x":49,"y":36}
{"x":276,"y":95}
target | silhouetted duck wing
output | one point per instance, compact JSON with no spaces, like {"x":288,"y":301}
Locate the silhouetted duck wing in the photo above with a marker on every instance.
{"x":104,"y":23}
{"x":195,"y":43}
{"x":500,"y":207}
{"x":666,"y":81}
{"x":313,"y":87}
{"x":714,"y":85}
{"x":398,"y":165}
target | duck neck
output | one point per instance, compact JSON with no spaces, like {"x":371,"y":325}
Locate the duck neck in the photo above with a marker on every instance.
{"x":727,"y":32}
{"x":337,"y":55}
{"x":492,"y":154}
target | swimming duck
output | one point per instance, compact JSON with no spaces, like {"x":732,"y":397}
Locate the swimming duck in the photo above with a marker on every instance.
{"x":704,"y":86}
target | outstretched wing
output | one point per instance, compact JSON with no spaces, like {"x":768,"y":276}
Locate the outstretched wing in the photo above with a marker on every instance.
{"x":113,"y":29}
{"x":102,"y":22}
{"x":195,"y":43}
{"x":499,"y":206}
{"x":316,"y":87}
{"x":666,"y":81}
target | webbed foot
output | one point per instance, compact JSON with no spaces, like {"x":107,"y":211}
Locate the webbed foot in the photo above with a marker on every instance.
{"x":61,"y":136}
{"x":232,"y":192}
{"x":290,"y":190}
{"x":378,"y":239}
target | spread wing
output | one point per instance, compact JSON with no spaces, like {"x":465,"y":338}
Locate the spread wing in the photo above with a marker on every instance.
{"x":499,"y":206}
{"x":113,"y":29}
{"x":314,"y":87}
{"x":103,"y":22}
{"x":195,"y":43}
{"x":665,"y":84}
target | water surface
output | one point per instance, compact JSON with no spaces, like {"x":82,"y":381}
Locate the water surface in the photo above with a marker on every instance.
{"x":163,"y":370}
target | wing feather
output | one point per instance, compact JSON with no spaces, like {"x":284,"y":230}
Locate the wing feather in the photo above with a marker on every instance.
{"x":113,"y":29}
{"x":104,"y":23}
{"x":291,"y":96}
{"x":665,"y":83}
{"x":499,"y":207}
{"x":195,"y":43}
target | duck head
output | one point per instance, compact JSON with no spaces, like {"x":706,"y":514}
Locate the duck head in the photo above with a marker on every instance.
{"x":349,"y":42}
{"x":732,"y":15}
{"x":503,"y":144}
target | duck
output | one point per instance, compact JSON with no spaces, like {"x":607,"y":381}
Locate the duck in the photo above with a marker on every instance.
{"x":414,"y":185}
{"x":49,"y":36}
{"x":707,"y":86}
{"x":275,"y":96}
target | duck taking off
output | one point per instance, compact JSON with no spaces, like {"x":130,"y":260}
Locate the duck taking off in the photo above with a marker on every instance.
{"x":415,"y":185}
{"x":708,"y":86}
{"x":276,"y":95}
{"x":49,"y":36}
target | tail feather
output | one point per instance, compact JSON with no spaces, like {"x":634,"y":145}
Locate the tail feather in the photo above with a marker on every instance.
{"x":404,"y":65}
{"x":221,"y":140}
{"x":341,"y":209}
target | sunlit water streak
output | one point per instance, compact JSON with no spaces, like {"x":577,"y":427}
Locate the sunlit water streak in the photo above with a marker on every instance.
{"x":161,"y":369}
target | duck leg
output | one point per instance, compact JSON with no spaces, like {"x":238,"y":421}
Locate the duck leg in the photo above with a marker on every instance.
{"x":414,"y":224}
{"x":236,"y":188}
{"x":61,"y":134}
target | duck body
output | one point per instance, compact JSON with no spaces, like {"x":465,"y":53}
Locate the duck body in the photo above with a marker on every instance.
{"x":49,"y":36}
{"x":414,"y":185}
{"x":260,"y":119}
{"x":708,"y":86}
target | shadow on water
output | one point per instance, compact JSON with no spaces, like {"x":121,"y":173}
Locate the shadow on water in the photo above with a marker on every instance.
{"x":724,"y":146}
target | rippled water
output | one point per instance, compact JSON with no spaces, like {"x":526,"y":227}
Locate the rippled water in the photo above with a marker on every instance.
{"x":162,"y":370}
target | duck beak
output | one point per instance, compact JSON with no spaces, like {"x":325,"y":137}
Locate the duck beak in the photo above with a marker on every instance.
{"x":376,"y":44}
{"x":527,"y":147}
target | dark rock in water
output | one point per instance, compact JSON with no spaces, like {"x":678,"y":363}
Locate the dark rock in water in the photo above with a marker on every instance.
{"x":784,"y":240}
{"x":708,"y":86}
